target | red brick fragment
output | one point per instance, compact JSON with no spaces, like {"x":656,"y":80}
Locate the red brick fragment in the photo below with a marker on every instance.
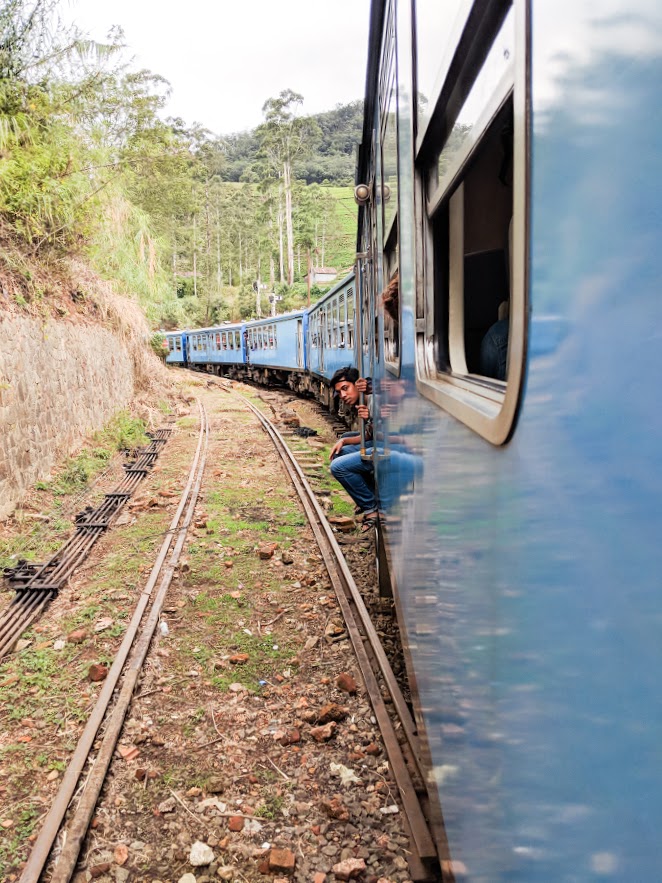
{"x":99,"y":870}
{"x":336,"y":809}
{"x":97,"y":672}
{"x":332,"y":712}
{"x":346,"y":682}
{"x":266,"y":551}
{"x":239,"y":659}
{"x":77,"y":637}
{"x":349,"y":868}
{"x":236,"y":823}
{"x":282,"y":860}
{"x":323,"y":734}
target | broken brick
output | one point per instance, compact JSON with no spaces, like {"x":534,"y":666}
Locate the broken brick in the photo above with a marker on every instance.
{"x":282,"y":860}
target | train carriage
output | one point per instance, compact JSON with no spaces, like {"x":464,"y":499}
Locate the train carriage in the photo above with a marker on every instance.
{"x":275,"y":350}
{"x":332,"y":333}
{"x":225,"y":347}
{"x":199,"y":347}
{"x":509,"y":181}
{"x":176,"y":353}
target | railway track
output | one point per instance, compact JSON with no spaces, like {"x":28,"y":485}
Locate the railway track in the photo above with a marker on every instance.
{"x":36,"y":585}
{"x":92,"y":757}
{"x":400,"y":738}
{"x":106,"y":712}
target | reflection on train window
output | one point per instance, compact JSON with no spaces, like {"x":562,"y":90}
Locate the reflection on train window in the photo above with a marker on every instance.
{"x":435,"y":24}
{"x":389,"y":123}
{"x":350,"y":318}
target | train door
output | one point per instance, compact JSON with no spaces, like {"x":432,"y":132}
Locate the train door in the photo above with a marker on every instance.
{"x":300,"y":343}
{"x":185,"y":349}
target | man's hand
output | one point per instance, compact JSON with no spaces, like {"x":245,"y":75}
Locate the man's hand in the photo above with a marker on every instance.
{"x":336,"y":449}
{"x":362,"y":385}
{"x":363,"y":412}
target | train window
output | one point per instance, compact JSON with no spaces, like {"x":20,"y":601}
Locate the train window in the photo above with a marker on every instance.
{"x":350,"y":317}
{"x":388,"y":115}
{"x":390,"y":303}
{"x":471,"y":334}
{"x":178,"y":344}
{"x":342,"y":314}
{"x":334,"y":322}
{"x":437,"y":26}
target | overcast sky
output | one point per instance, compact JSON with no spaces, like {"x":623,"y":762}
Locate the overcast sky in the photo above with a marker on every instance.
{"x":225,"y":58}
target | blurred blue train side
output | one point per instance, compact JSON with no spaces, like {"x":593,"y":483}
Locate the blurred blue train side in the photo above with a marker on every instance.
{"x":527,"y":557}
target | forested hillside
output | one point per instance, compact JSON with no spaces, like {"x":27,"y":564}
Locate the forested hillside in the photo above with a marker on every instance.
{"x":181,"y":219}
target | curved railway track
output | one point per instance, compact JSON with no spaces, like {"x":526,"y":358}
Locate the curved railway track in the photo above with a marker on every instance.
{"x":75,"y":832}
{"x":107,"y":718}
{"x":400,"y":738}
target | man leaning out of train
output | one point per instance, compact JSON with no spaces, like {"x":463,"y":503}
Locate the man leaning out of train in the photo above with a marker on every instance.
{"x":348,"y":386}
{"x":348,"y":467}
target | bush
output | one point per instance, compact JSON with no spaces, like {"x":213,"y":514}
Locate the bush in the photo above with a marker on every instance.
{"x":159,"y":344}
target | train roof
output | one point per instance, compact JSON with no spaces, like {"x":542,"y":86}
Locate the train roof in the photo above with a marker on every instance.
{"x":268,"y":320}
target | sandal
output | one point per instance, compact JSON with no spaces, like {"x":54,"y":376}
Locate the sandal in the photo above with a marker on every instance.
{"x":369,"y":522}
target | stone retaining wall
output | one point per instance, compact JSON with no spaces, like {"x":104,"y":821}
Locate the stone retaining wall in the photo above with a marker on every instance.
{"x":58,"y":383}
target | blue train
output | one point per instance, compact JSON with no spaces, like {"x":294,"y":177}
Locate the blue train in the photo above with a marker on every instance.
{"x":506,"y":304}
{"x":301,"y":349}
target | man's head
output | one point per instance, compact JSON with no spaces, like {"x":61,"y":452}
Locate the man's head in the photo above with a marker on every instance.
{"x":343,"y":384}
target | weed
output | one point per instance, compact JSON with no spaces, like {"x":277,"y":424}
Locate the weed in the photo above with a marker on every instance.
{"x":271,"y":808}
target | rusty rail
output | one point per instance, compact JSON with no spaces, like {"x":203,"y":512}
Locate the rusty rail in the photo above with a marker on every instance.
{"x":37,"y":584}
{"x":406,"y":763}
{"x":66,"y":862}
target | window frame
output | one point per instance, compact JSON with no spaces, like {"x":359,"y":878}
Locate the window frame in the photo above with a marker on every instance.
{"x":487,"y":406}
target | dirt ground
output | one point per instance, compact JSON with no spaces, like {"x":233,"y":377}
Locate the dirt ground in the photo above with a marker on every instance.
{"x":250,"y":751}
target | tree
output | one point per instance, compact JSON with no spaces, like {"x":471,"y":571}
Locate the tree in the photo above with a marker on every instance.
{"x":284,"y":137}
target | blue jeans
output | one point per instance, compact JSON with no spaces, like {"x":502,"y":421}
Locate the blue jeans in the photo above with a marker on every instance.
{"x":356,"y":475}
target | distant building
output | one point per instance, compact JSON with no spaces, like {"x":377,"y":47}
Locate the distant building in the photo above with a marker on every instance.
{"x":321,"y":274}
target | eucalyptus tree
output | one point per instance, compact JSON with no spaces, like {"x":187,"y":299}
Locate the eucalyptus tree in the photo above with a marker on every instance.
{"x":283,"y":137}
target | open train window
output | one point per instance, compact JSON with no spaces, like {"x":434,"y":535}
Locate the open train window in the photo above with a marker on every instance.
{"x":390,"y":303}
{"x":472,"y":315}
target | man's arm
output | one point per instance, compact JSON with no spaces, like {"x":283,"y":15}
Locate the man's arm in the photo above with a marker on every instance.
{"x":350,"y":440}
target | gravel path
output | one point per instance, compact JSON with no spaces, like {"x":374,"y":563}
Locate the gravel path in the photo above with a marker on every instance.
{"x":250,"y":752}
